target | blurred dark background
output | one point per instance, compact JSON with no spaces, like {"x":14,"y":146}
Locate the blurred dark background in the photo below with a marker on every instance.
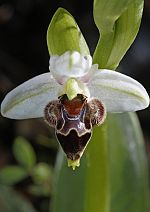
{"x":24,"y":54}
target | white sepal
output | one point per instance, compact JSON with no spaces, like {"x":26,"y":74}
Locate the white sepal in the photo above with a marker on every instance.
{"x":118,"y":92}
{"x":29,"y":99}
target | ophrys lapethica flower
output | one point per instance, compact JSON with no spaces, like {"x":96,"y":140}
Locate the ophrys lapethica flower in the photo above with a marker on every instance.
{"x":74,"y":97}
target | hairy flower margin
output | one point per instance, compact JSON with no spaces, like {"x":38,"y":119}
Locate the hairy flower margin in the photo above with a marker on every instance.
{"x":73,"y":74}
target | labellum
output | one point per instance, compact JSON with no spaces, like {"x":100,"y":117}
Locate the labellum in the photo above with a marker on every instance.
{"x":73,"y":121}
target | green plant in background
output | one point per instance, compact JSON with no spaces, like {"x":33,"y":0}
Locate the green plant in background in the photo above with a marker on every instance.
{"x":11,"y":201}
{"x":114,"y":170}
{"x":40,"y":173}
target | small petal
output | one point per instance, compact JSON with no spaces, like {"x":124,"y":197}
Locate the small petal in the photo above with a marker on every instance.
{"x":118,"y":92}
{"x":69,"y":65}
{"x":29,"y":99}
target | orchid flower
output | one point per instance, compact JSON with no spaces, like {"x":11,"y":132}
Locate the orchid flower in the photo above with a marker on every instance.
{"x":73,"y":97}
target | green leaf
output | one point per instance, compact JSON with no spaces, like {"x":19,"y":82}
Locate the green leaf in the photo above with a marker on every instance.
{"x":69,"y":186}
{"x":42,"y":173}
{"x":63,"y":34}
{"x":129,"y":184}
{"x":97,"y":182}
{"x":12,"y":174}
{"x":40,"y":190}
{"x":24,"y":153}
{"x":113,"y":175}
{"x":11,"y":201}
{"x":118,"y":23}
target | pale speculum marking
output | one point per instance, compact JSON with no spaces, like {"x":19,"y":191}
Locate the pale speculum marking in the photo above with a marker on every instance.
{"x":73,"y":121}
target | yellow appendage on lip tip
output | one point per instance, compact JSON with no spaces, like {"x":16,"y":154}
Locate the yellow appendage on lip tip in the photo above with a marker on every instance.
{"x":73,"y":163}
